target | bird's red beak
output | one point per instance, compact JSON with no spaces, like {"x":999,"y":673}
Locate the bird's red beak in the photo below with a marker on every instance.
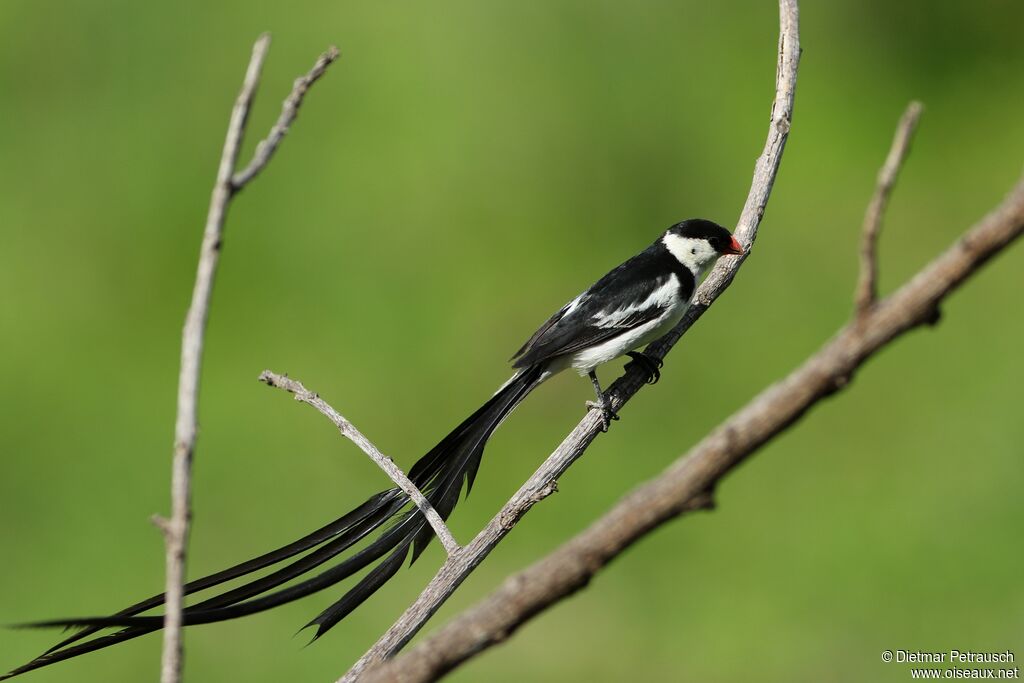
{"x":734,"y":247}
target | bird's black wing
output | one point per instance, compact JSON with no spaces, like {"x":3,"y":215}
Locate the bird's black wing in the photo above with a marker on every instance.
{"x":624,"y":299}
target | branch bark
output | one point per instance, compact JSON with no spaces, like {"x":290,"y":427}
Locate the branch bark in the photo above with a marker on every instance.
{"x":687,"y":483}
{"x":349,"y":431}
{"x":867,"y":285}
{"x":543,"y":482}
{"x":176,"y":529}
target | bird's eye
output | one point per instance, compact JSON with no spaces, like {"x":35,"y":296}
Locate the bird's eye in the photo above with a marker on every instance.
{"x":693,"y":251}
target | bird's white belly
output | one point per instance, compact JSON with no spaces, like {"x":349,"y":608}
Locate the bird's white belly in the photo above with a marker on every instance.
{"x":587,"y":359}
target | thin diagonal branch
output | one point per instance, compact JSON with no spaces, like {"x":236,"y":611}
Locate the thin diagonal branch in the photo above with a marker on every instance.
{"x":349,"y":431}
{"x":867,"y":285}
{"x":685,"y":486}
{"x":176,"y":529}
{"x":455,"y":570}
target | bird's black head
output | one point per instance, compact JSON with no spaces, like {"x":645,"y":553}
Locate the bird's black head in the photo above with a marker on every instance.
{"x":720,"y":239}
{"x":698,"y":243}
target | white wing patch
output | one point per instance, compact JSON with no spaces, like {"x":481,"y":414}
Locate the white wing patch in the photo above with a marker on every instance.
{"x":665,"y":297}
{"x":574,"y":304}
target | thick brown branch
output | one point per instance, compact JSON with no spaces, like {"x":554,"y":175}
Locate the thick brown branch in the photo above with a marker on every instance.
{"x":458,"y":567}
{"x":684,"y":485}
{"x":349,"y":431}
{"x":176,"y":528}
{"x":867,"y":284}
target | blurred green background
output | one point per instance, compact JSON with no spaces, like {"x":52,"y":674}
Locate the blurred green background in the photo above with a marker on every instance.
{"x":465,"y":169}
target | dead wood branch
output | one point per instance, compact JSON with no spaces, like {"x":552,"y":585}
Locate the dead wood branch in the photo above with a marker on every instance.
{"x":176,"y":528}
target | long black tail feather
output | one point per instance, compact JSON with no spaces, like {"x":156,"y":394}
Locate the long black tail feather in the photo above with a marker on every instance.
{"x":385,"y":504}
{"x":439,"y":474}
{"x":317,"y":537}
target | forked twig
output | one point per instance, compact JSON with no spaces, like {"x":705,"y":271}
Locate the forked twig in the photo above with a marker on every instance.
{"x":176,"y":529}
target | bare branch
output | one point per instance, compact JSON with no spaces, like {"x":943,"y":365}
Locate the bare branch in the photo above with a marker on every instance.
{"x":349,"y":431}
{"x":867,"y":284}
{"x":542,"y":482}
{"x":289,"y":110}
{"x":685,"y":485}
{"x":176,"y":529}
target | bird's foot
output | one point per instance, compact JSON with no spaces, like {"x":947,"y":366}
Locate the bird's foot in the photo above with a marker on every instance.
{"x":650,"y":365}
{"x":605,"y":406}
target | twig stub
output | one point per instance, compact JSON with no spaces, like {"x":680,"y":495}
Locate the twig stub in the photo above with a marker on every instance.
{"x":867,"y":284}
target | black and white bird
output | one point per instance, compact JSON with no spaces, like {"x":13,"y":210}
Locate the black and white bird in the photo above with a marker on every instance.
{"x":634,"y":304}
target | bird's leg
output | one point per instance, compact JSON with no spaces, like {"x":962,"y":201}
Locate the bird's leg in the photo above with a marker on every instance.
{"x":650,"y":365}
{"x":602,"y":403}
